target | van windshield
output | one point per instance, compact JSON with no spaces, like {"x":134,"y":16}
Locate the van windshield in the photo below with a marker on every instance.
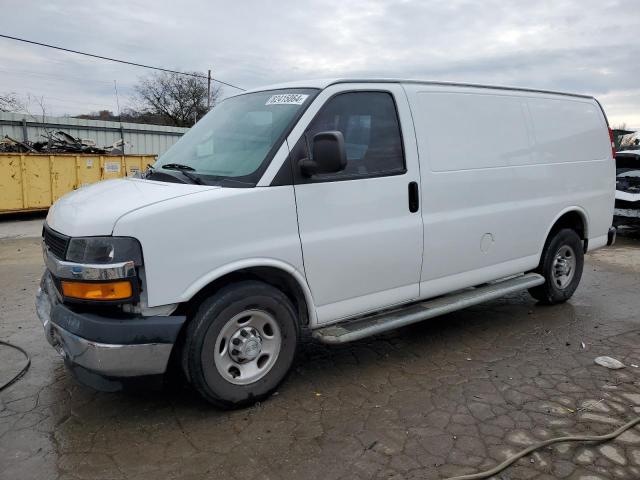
{"x":234,"y":142}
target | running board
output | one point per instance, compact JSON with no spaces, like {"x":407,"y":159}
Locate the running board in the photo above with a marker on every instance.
{"x":351,"y":330}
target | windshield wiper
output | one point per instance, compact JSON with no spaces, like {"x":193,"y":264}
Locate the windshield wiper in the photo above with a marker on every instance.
{"x":186,"y":171}
{"x":178,"y":166}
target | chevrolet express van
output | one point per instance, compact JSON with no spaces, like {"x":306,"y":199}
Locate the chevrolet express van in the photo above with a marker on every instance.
{"x":345,"y":207}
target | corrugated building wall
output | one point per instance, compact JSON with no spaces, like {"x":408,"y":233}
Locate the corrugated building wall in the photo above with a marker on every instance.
{"x":140,"y":138}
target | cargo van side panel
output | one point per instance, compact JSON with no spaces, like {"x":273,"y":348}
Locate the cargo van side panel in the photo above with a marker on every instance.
{"x":498,"y":168}
{"x":572,"y":167}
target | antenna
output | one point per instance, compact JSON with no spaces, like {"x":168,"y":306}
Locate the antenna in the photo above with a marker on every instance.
{"x":115,"y":87}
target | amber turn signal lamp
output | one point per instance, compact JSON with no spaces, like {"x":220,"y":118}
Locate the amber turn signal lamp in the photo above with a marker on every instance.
{"x":97,"y":291}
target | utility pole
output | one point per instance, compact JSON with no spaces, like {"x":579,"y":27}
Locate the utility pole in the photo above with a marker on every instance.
{"x":209,"y":91}
{"x":115,"y":87}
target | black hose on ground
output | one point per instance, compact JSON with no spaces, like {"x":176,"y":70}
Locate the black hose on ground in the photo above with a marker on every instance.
{"x":24,"y":369}
{"x":532,"y":448}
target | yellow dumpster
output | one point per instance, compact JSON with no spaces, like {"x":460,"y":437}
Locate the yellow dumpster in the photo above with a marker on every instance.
{"x":32,"y":181}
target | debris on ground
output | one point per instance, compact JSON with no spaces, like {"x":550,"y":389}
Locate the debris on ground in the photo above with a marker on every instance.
{"x":59,"y":142}
{"x":610,"y":363}
{"x":8,"y":144}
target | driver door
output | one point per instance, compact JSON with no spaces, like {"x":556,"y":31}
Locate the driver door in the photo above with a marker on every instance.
{"x":361,"y":234}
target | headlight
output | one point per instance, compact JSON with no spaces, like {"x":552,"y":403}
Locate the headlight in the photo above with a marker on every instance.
{"x":104,"y":250}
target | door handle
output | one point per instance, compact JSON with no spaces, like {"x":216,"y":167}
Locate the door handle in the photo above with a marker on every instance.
{"x":414,"y":197}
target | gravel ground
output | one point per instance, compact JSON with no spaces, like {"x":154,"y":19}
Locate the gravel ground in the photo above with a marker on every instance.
{"x":446,"y":397}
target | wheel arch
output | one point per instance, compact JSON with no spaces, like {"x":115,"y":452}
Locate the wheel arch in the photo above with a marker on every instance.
{"x":573,"y":217}
{"x":273,"y":272}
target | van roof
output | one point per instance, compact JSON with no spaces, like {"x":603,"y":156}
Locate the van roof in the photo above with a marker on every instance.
{"x":325,"y":82}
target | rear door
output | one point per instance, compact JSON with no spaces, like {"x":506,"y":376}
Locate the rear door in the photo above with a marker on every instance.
{"x":361,"y":238}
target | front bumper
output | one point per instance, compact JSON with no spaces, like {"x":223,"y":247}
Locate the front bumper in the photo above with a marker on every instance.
{"x":626,"y":216}
{"x":103,"y":351}
{"x":626,"y":209}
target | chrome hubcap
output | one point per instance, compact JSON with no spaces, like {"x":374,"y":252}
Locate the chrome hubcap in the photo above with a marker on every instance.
{"x":563,"y":267}
{"x":247,"y":347}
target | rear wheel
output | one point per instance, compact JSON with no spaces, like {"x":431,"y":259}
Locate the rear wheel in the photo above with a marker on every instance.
{"x":561,"y":265}
{"x":241,"y":343}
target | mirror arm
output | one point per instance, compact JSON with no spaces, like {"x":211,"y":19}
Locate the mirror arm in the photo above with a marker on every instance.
{"x":308,"y":167}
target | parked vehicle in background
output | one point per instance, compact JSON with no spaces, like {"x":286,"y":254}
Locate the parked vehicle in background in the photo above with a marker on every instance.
{"x":335,"y":206}
{"x":627,"y":205}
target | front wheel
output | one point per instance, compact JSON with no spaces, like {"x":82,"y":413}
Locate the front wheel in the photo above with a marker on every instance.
{"x":561,"y":265}
{"x":241,"y":343}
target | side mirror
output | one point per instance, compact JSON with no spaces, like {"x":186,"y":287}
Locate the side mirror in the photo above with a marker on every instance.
{"x":329,"y":154}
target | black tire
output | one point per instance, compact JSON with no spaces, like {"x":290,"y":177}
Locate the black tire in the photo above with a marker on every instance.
{"x":551,"y":292}
{"x":204,"y":328}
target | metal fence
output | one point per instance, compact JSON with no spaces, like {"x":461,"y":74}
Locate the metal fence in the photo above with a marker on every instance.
{"x":139,"y":138}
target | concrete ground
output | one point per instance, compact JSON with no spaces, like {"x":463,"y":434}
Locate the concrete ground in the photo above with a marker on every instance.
{"x":24,"y":226}
{"x":447,"y":397}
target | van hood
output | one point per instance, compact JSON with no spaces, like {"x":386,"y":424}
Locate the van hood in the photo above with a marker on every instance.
{"x":95,"y":209}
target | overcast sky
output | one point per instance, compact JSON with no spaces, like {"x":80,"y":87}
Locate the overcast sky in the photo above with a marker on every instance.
{"x":587,"y":46}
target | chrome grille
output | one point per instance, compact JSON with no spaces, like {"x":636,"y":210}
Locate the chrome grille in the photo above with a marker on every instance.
{"x":56,"y":242}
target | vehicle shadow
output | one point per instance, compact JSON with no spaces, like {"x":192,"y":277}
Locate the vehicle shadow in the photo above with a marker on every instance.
{"x":467,"y":337}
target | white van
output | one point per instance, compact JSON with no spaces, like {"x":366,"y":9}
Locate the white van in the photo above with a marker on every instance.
{"x":347,"y":207}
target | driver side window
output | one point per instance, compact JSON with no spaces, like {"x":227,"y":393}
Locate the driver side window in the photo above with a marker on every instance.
{"x":369,"y":123}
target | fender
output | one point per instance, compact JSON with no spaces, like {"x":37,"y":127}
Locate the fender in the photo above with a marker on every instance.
{"x":219,"y":272}
{"x":574,"y":208}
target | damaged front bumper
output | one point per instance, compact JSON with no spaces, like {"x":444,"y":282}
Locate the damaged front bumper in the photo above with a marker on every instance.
{"x":627,"y":209}
{"x":627,"y":216}
{"x":103,"y":352}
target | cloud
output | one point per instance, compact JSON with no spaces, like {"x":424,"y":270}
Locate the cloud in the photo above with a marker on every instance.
{"x":586,"y":46}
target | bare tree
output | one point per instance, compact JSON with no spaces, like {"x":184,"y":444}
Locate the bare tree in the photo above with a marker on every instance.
{"x":180,"y":100}
{"x":40,"y":103}
{"x":9,"y":102}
